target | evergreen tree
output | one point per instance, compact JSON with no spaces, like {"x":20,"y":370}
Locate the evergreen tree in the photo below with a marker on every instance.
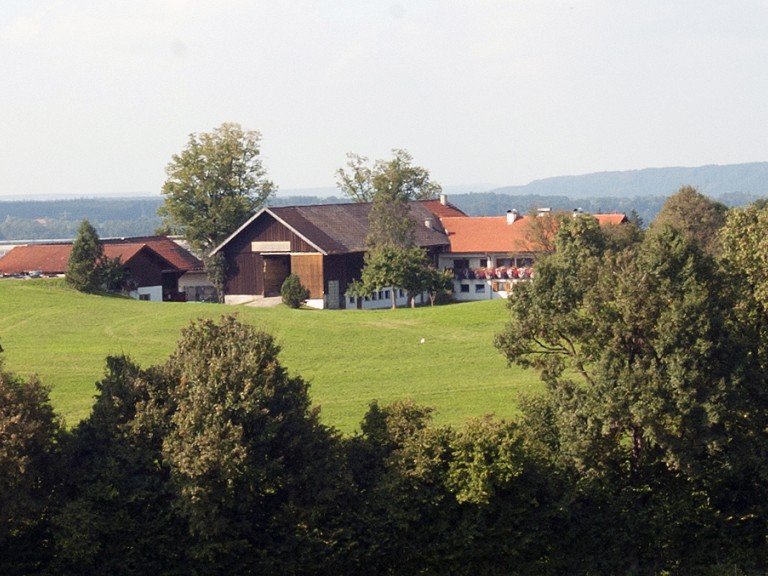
{"x":292,"y":292}
{"x":84,"y":268}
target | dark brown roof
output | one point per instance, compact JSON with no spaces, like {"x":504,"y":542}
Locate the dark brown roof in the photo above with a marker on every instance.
{"x":342,"y":228}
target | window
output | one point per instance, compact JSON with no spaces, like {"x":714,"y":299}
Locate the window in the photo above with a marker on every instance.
{"x":465,"y":287}
{"x":386,"y":295}
{"x":460,"y":263}
{"x":143,"y":296}
{"x":483,"y":262}
{"x":479,"y":288}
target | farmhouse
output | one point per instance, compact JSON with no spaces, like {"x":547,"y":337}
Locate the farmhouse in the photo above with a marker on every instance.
{"x":489,"y":254}
{"x":155,"y":265}
{"x":323,"y":245}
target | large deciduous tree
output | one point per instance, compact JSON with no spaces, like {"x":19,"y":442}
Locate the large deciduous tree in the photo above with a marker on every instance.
{"x":392,"y":258}
{"x":397,"y":177}
{"x":253,"y":467}
{"x":212,"y":186}
{"x":29,"y":442}
{"x":698,"y":217}
{"x":648,"y":404}
{"x":86,"y":260}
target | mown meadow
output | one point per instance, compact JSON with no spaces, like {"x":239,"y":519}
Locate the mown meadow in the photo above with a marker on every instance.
{"x":349,"y":357}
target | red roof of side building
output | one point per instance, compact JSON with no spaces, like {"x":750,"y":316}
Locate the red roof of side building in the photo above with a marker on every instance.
{"x":181,"y":258}
{"x":47,"y":258}
{"x":483,"y":234}
{"x":53,"y":258}
{"x":441,"y":210}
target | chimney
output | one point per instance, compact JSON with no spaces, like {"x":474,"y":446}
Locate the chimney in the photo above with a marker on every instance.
{"x":443,"y":199}
{"x":511,"y":216}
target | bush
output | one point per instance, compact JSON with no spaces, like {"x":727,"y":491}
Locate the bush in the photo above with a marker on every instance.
{"x":293,"y":293}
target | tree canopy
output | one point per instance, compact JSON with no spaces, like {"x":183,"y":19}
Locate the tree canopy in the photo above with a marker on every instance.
{"x":392,"y":259}
{"x":698,"y":217}
{"x":214,"y":184}
{"x":396,"y":178}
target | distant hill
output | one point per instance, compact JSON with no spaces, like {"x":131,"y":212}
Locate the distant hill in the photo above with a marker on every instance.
{"x":713,"y":180}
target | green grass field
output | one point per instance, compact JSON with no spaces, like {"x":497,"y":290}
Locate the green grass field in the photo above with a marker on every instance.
{"x":349,"y":357}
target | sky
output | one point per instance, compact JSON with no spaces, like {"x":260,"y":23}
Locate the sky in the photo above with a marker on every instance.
{"x":97,"y":95}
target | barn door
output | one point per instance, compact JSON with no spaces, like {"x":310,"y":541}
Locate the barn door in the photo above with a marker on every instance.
{"x":276,"y":270}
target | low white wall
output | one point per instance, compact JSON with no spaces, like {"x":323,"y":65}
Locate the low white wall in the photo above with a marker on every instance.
{"x":154,"y":293}
{"x":239,"y":298}
{"x":382,"y":299}
{"x":477,"y":290}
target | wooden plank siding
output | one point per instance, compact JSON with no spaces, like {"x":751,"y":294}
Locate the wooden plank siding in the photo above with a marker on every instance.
{"x":145,"y":268}
{"x":343,"y":267}
{"x":247,"y":268}
{"x":309,"y":269}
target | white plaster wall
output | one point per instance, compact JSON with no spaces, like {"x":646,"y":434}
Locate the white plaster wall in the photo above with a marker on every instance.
{"x":193,"y":279}
{"x":155,"y":293}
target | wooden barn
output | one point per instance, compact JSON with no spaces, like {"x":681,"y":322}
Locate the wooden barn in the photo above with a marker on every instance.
{"x":323,"y":245}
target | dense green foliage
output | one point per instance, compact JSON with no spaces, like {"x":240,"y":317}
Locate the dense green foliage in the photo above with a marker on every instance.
{"x":293,"y":293}
{"x":87,"y":263}
{"x":214,"y":184}
{"x":29,"y":460}
{"x":396,"y":177}
{"x":656,"y":403}
{"x":696,"y":216}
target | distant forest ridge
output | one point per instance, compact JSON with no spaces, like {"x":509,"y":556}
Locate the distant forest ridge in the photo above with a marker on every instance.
{"x":641,"y":191}
{"x":713,"y":180}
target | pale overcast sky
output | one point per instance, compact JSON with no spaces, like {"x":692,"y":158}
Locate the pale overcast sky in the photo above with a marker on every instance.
{"x":97,"y":95}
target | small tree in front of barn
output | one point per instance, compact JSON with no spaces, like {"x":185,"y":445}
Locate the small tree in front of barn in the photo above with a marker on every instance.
{"x":293,"y":292}
{"x":86,"y":261}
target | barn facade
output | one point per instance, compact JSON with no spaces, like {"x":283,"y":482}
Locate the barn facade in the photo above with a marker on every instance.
{"x":324,"y":245}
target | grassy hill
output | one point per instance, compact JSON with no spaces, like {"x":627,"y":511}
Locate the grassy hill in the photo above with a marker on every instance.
{"x":349,"y":357}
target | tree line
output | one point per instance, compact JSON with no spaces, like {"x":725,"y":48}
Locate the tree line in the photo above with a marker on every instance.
{"x":645,"y":455}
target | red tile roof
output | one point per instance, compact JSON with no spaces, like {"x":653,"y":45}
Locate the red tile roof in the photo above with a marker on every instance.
{"x":48,"y":258}
{"x":53,"y":258}
{"x":481,"y":234}
{"x":606,"y":219}
{"x":441,"y":210}
{"x":487,"y":234}
{"x":177,"y":255}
